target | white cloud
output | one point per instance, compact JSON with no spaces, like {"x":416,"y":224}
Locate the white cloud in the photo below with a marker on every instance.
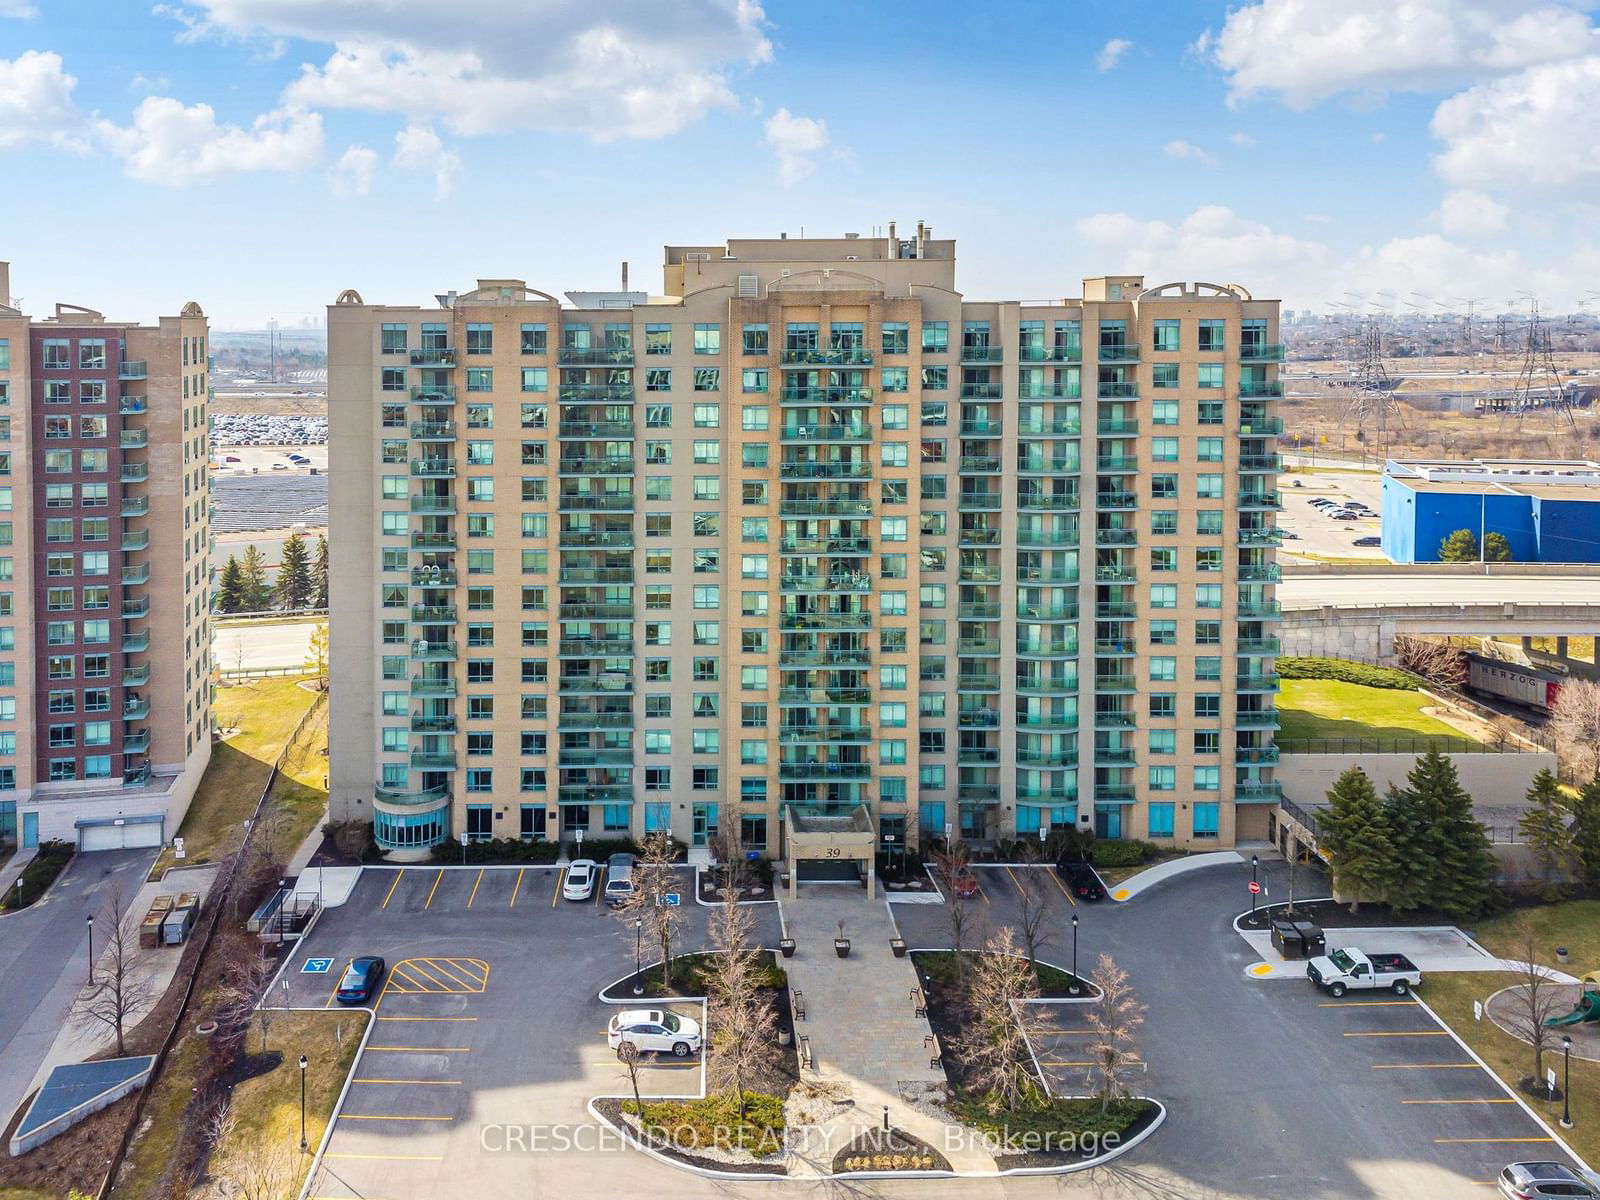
{"x":36,"y":100}
{"x":419,"y":148}
{"x":1180,"y":149}
{"x":1305,"y":51}
{"x":176,"y":144}
{"x":1532,"y":130}
{"x":1242,"y":140}
{"x":1469,"y":213}
{"x":1109,"y":55}
{"x":352,"y":175}
{"x":626,"y":68}
{"x":142,"y":84}
{"x":796,"y":140}
{"x":23,"y":10}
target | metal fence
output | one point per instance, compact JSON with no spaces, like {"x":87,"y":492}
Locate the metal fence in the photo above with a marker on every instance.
{"x":1420,"y":744}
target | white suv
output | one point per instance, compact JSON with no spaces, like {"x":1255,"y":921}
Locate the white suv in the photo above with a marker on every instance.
{"x":653,"y":1031}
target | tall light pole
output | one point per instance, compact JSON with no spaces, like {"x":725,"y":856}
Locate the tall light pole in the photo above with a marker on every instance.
{"x":1566,"y":1083}
{"x":1074,"y":987}
{"x":638,"y":950}
{"x":1255,"y":887}
{"x":302,"y":1104}
{"x":89,"y":922}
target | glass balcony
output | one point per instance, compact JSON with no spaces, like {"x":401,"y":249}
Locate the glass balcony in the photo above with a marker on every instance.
{"x":1108,"y":501}
{"x":1116,"y":647}
{"x":1260,"y":387}
{"x":825,"y":395}
{"x":595,"y":466}
{"x":971,"y":611}
{"x":1261,"y":427}
{"x":422,"y":685}
{"x":1052,"y":575}
{"x":1050,"y":354}
{"x":135,"y":676}
{"x":1115,"y":683}
{"x":426,"y":651}
{"x":1048,"y":760}
{"x":978,"y":718}
{"x":821,"y":585}
{"x":581,"y":611}
{"x":980,"y":391}
{"x":1117,"y":428}
{"x":1257,"y":645}
{"x":421,"y":723}
{"x":836,"y":546}
{"x":978,"y":793}
{"x":1119,"y":352}
{"x":596,"y":502}
{"x":134,"y":439}
{"x":1255,"y":756}
{"x":982,"y":429}
{"x":595,"y":393}
{"x":793,"y":659}
{"x":596,"y":647}
{"x":823,"y":356}
{"x":822,"y":696}
{"x":135,"y":472}
{"x":433,"y":576}
{"x":1117,"y":462}
{"x":1047,"y":612}
{"x":433,"y":541}
{"x":135,"y":506}
{"x":595,"y":794}
{"x":1035,"y":795}
{"x":133,"y":368}
{"x":1257,"y":792}
{"x":1259,"y":573}
{"x":136,"y":776}
{"x":977,"y":537}
{"x":1114,"y":756}
{"x":1061,"y":648}
{"x":982,"y":352}
{"x":592,"y":685}
{"x":1054,"y":722}
{"x":433,"y":431}
{"x":433,"y":393}
{"x":977,"y":756}
{"x":135,"y":607}
{"x":614,"y":539}
{"x":438,"y":614}
{"x":977,"y":683}
{"x":595,"y":356}
{"x":133,"y":406}
{"x":1048,"y":391}
{"x":136,"y":642}
{"x":807,"y":735}
{"x":1028,"y":465}
{"x":1259,"y":610}
{"x":978,"y":501}
{"x":1261,"y":352}
{"x":433,"y":468}
{"x":1051,"y":687}
{"x":136,"y":710}
{"x":1060,"y":427}
{"x":1255,"y":683}
{"x":979,"y":647}
{"x":1047,"y":537}
{"x":1114,"y":795}
{"x":1259,"y":501}
{"x":433,"y":760}
{"x":596,"y":429}
{"x":444,"y":356}
{"x":1116,"y":537}
{"x":979,"y":573}
{"x":137,"y":574}
{"x":1264,"y":718}
{"x":1260,"y":537}
{"x":1270,"y":464}
{"x":812,"y":470}
{"x":980,"y":464}
{"x":594,"y":720}
{"x":1116,"y":612}
{"x":605,"y":757}
{"x":1117,"y":391}
{"x":824,"y":770}
{"x":596,"y":575}
{"x":824,"y":621}
{"x":433,"y":504}
{"x":426,"y":798}
{"x":825,"y":508}
{"x":853,"y":431}
{"x":134,"y":540}
{"x":1116,"y":575}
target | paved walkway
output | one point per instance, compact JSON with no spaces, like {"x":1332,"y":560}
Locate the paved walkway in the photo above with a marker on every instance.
{"x":1431,"y":947}
{"x":1134,"y":884}
{"x":14,"y":867}
{"x":864,"y":1034}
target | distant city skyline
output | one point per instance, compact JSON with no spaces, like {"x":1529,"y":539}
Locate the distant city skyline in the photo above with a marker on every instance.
{"x":274,"y":152}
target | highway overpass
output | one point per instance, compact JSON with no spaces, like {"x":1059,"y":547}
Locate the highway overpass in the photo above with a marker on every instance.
{"x":1356,"y":612}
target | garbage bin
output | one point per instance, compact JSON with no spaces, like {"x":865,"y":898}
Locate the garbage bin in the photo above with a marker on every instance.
{"x":1286,"y":939}
{"x":1315,"y":941}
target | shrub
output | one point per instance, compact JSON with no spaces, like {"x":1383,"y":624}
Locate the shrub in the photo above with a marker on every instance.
{"x":1117,"y":852}
{"x":48,"y":862}
{"x":500,"y":850}
{"x":1079,"y":1117}
{"x":714,"y":1121}
{"x":1345,"y":671}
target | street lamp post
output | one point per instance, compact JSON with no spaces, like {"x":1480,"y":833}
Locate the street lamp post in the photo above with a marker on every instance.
{"x":1074,"y":987}
{"x":1254,"y":887}
{"x":89,"y":923}
{"x":1566,"y":1083}
{"x":302,"y":1104}
{"x":638,"y":950}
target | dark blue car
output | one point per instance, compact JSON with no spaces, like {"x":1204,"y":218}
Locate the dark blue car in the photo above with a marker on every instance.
{"x":361,"y":979}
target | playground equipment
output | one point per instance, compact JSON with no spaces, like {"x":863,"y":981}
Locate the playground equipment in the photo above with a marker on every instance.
{"x":1586,"y":1009}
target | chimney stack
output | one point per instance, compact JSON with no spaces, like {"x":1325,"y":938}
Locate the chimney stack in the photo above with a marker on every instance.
{"x":5,"y":284}
{"x":894,"y":245}
{"x":624,"y":276}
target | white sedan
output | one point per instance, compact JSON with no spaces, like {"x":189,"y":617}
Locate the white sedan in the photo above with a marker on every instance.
{"x":654,"y":1031}
{"x":579,"y":883}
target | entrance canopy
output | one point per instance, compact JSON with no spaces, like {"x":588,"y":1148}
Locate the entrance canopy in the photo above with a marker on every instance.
{"x":840,"y":838}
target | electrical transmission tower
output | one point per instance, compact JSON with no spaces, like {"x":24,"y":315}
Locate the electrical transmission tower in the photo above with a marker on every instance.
{"x":1538,"y":387}
{"x":1372,"y":405}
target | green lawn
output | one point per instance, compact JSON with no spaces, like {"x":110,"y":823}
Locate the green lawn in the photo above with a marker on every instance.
{"x":1386,"y":718}
{"x":1574,"y":924}
{"x":265,"y":713}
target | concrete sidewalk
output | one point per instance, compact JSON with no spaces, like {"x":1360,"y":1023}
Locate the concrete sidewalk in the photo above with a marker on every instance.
{"x":15,"y":865}
{"x":1431,"y":947}
{"x":864,"y":1035}
{"x":1144,"y":880}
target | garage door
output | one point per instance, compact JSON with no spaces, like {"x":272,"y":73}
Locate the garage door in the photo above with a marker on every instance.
{"x":119,"y":837}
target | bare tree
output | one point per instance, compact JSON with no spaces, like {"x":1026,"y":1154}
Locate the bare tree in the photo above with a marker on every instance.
{"x":1575,"y":726}
{"x":121,"y":988}
{"x":993,"y":1045}
{"x":251,"y":1167}
{"x":1437,"y":662}
{"x":1113,"y":1021}
{"x":1033,"y":916}
{"x":742,"y":1024}
{"x":317,"y":654}
{"x":655,"y":879}
{"x":243,"y":995}
{"x":628,"y":1055}
{"x":1535,"y":998}
{"x":949,"y":865}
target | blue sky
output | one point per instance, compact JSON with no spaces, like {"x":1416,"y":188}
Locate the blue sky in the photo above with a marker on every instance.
{"x":261,"y":155}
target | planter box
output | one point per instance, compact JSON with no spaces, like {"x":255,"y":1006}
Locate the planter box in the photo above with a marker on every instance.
{"x":786,"y":947}
{"x":898,"y":946}
{"x":841,"y":947}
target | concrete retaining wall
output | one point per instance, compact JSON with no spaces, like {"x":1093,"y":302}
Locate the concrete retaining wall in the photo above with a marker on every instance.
{"x":59,"y":1125}
{"x":1493,"y":779}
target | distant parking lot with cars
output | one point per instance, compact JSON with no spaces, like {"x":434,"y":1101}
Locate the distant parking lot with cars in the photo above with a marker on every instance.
{"x":1332,"y":514}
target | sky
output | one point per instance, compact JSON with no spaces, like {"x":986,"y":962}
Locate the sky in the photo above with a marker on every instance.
{"x":259,"y":156}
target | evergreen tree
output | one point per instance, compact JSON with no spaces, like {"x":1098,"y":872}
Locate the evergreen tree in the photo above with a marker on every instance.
{"x":1355,"y":833}
{"x":1460,"y":546}
{"x":255,"y":594}
{"x":1544,"y":825}
{"x":294,"y":574}
{"x":319,"y":574}
{"x":230,"y":587}
{"x":1455,"y":847}
{"x":1412,"y":880}
{"x":1586,"y":832}
{"x":1496,"y":547}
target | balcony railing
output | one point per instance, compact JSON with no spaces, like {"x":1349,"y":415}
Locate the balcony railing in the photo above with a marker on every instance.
{"x":136,"y":710}
{"x":1119,"y":352}
{"x":135,"y":472}
{"x":1259,"y":573}
{"x":584,"y":719}
{"x":982,"y":429}
{"x":136,"y":641}
{"x":423,"y":685}
{"x":825,"y":545}
{"x":433,"y":504}
{"x":135,"y":439}
{"x":598,"y":502}
{"x":1117,"y":391}
{"x":421,"y":723}
{"x":596,"y":429}
{"x":1255,"y":683}
{"x":134,"y":575}
{"x":824,"y":770}
{"x":425,"y":651}
{"x":1048,"y":685}
{"x":444,"y":356}
{"x":978,"y":537}
{"x":134,"y":540}
{"x":1060,"y":427}
{"x":1264,"y":718}
{"x":1258,"y":792}
{"x":825,"y":395}
{"x":822,"y":356}
{"x":1260,"y":500}
{"x":133,"y":368}
{"x":1255,"y":756}
{"x":825,"y":508}
{"x":810,"y":470}
{"x":823,"y":696}
{"x":618,"y":539}
{"x":135,"y":607}
{"x":981,"y":391}
{"x":594,"y":356}
{"x":1260,"y":537}
{"x":1262,"y":463}
{"x":854,"y":431}
{"x":433,"y":576}
{"x":1260,"y":387}
{"x":596,"y":466}
{"x":433,"y":541}
{"x":1050,"y":354}
{"x":439,"y":614}
{"x":1116,"y":537}
{"x":433,"y":760}
{"x":135,"y":676}
{"x":1261,"y":352}
{"x":593,"y":393}
{"x":1117,"y":462}
{"x":424,"y":798}
{"x":595,"y":647}
{"x":433,"y":431}
{"x":982,"y":352}
{"x":979,"y":464}
{"x":979,"y":501}
{"x":1117,"y":428}
{"x":433,"y":393}
{"x":1261,"y":427}
{"x":1108,"y":501}
{"x":596,"y":575}
{"x":433,"y":468}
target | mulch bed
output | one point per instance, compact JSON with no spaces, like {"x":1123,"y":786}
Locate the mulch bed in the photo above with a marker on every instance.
{"x":610,"y":1107}
{"x":1062,"y":1158}
{"x":888,"y":1150}
{"x":711,"y":888}
{"x":1330,"y":914}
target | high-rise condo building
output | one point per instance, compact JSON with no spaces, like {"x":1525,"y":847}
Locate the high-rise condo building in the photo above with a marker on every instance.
{"x":811,"y":547}
{"x":105,"y":652}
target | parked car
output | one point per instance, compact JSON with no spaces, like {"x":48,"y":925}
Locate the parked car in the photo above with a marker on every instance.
{"x":1369,"y":540}
{"x":1081,"y":879}
{"x":1347,"y":968}
{"x":280,"y":466}
{"x":361,"y":979}
{"x":227,"y":458}
{"x":965,"y":884}
{"x":299,"y":460}
{"x":653,"y":1031}
{"x":619,"y":879}
{"x":1531,"y":1180}
{"x":579,"y":883}
{"x":1289,"y":535}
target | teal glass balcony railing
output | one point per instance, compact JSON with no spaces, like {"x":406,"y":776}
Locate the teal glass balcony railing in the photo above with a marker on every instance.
{"x":1261,"y":352}
{"x":437,"y":505}
{"x":433,"y":576}
{"x":1059,"y":427}
{"x":615,"y":465}
{"x":595,"y":356}
{"x":982,"y":352}
{"x":1050,"y":354}
{"x":981,"y":391}
{"x":433,"y":393}
{"x":133,"y":406}
{"x":824,"y":356}
{"x":1269,"y":464}
{"x":134,"y":439}
{"x":1261,"y":427}
{"x":594,"y":393}
{"x":426,"y":651}
{"x":423,"y":685}
{"x":825,"y":395}
{"x":135,"y":472}
{"x":426,"y":798}
{"x":133,"y":368}
{"x":1260,"y":387}
{"x":1117,"y":391}
{"x":442,"y":356}
{"x":433,"y":468}
{"x":853,"y":431}
{"x":433,"y":431}
{"x":982,"y":429}
{"x":437,"y":614}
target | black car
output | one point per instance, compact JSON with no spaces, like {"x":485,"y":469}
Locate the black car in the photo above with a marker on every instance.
{"x":1368,"y":541}
{"x":1081,"y":879}
{"x":361,"y":979}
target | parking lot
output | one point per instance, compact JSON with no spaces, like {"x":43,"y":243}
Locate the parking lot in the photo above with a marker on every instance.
{"x":488,"y":1021}
{"x":1318,"y":534}
{"x":1265,"y":1081}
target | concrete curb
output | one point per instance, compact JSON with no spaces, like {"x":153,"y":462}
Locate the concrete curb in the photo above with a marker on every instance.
{"x":338,"y":1104}
{"x":1134,"y":884}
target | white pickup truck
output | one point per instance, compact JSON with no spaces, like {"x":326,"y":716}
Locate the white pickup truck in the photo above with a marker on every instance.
{"x":1348,"y":968}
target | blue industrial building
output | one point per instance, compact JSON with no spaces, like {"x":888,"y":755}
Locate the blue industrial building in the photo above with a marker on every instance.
{"x":1548,"y":511}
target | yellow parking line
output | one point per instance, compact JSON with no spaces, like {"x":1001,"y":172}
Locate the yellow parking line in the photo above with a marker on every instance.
{"x":517,"y":887}
{"x":334,"y":991}
{"x":599,"y":884}
{"x":1366,"y":1003}
{"x":1424,"y":1066}
{"x":979,"y":885}
{"x":1472,"y":1141}
{"x":413,"y":1082}
{"x":1015,"y":881}
{"x":427,"y":1018}
{"x":475,"y":884}
{"x":389,"y":1157}
{"x":398,"y":876}
{"x":1474,"y":1100}
{"x":420,"y":1049}
{"x":384,"y":1117}
{"x":417,"y":973}
{"x":1404,"y":1033}
{"x":1055,"y":879}
{"x":463,"y":971}
{"x":429,"y":902}
{"x":561,"y":877}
